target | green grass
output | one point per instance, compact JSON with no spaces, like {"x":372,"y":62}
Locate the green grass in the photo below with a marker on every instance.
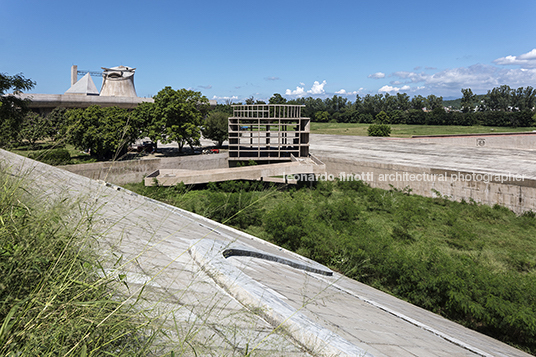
{"x":471,"y":263}
{"x":55,"y":299}
{"x":406,"y":131}
{"x":77,"y":156}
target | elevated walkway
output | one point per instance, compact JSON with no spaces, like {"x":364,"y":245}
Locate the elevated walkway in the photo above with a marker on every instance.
{"x":171,"y":177}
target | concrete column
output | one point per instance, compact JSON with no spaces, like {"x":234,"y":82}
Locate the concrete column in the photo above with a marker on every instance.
{"x":74,"y":74}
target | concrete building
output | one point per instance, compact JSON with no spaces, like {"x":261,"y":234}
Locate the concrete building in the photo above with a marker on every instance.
{"x":117,"y":91}
{"x":268,"y":133}
{"x":118,"y":82}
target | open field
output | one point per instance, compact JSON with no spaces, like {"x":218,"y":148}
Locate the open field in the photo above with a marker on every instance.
{"x":406,"y":131}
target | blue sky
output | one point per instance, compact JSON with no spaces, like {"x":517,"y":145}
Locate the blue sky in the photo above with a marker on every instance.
{"x":238,"y":49}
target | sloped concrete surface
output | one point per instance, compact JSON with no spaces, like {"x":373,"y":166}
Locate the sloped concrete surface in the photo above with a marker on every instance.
{"x":228,"y":306}
{"x":425,"y":154}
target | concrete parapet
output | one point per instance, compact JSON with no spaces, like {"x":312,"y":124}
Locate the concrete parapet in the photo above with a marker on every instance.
{"x":513,"y":191}
{"x":121,"y":172}
{"x":521,"y":141}
{"x":171,"y":177}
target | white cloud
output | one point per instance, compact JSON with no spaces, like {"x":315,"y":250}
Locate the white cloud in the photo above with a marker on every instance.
{"x":299,"y":91}
{"x":234,"y":97}
{"x":479,"y":77}
{"x":377,"y":75}
{"x":316,"y":89}
{"x":412,"y":77}
{"x":343,"y":92}
{"x":526,"y":60}
{"x":390,"y":89}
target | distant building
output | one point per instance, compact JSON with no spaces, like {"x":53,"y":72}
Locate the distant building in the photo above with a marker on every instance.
{"x":118,"y":82}
{"x":268,"y":133}
{"x":117,"y":91}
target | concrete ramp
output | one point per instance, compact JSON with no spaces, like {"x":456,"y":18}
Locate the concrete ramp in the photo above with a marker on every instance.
{"x":171,"y":177}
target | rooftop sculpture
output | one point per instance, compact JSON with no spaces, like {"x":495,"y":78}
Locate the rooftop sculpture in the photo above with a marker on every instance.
{"x":118,"y":82}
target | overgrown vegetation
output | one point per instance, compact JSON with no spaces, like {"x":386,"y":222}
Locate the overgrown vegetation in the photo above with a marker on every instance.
{"x":53,"y":301}
{"x":471,"y":263}
{"x":379,"y":130}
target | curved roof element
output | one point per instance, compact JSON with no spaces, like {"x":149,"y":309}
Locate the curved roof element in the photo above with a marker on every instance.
{"x":118,"y":82}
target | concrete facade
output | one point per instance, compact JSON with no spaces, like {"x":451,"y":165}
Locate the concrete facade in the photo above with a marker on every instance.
{"x":268,"y":133}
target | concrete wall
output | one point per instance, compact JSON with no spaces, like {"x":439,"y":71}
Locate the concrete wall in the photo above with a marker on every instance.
{"x":516,"y":194}
{"x":121,"y":172}
{"x":522,"y":141}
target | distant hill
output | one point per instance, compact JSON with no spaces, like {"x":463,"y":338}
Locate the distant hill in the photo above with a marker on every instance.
{"x":454,"y":103}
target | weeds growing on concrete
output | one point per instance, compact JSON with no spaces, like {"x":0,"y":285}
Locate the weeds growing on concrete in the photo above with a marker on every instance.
{"x":53,"y":301}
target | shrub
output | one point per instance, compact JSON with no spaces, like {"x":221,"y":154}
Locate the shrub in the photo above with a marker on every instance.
{"x":52,"y":157}
{"x":379,"y":130}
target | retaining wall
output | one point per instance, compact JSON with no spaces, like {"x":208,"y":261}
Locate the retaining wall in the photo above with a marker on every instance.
{"x":521,"y":141}
{"x":515,"y":192}
{"x":121,"y":172}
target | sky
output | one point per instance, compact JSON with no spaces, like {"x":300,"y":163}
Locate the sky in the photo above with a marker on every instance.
{"x":233,"y":50}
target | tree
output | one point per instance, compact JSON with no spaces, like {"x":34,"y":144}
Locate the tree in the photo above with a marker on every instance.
{"x":216,"y":127}
{"x":56,"y":119}
{"x":433,"y":102}
{"x":105,"y":132}
{"x":418,"y":102}
{"x":12,"y":108}
{"x":177,"y":116}
{"x":34,"y":128}
{"x":277,"y":99}
{"x":468,"y":100}
{"x":403,"y":101}
{"x":499,"y":98}
{"x":382,"y":118}
{"x":322,"y":117}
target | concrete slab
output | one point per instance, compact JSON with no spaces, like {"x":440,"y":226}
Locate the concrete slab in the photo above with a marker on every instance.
{"x":225,"y":306}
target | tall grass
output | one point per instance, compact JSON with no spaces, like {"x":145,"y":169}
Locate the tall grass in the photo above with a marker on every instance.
{"x":54,"y":298}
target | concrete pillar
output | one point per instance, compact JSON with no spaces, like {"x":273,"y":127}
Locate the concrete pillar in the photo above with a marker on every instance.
{"x":74,"y":74}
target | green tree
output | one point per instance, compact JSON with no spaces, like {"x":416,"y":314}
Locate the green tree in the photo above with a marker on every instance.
{"x":499,"y":98}
{"x":322,"y":117}
{"x":382,"y":118}
{"x":468,"y":100}
{"x":178,"y":115}
{"x":433,"y":102}
{"x":403,"y":101}
{"x":56,"y":119}
{"x":216,"y":127}
{"x":34,"y":128}
{"x":418,"y":102}
{"x":106,"y":132}
{"x":12,"y":108}
{"x":277,"y":99}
